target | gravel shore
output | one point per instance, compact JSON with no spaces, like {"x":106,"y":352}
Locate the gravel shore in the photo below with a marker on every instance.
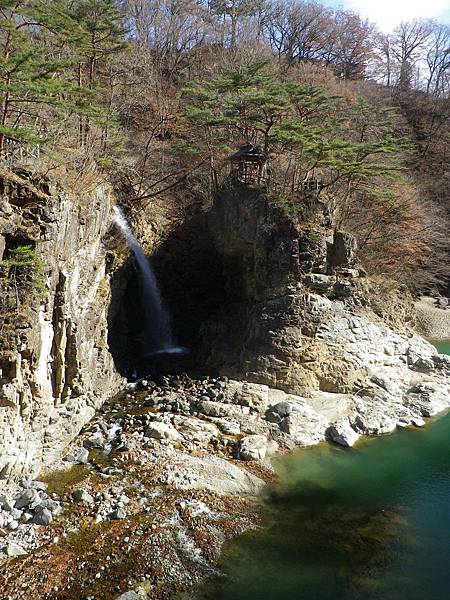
{"x":433,"y":323}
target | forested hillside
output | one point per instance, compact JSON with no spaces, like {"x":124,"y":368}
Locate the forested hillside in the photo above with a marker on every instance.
{"x":156,"y":94}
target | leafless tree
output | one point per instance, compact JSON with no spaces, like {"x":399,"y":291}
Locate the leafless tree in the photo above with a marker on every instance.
{"x":297,"y":30}
{"x":408,"y":42}
{"x":438,"y":60}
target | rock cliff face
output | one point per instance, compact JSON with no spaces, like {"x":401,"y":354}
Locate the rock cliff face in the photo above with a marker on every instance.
{"x":257,"y":296}
{"x":283,"y":281}
{"x":55,"y":367}
{"x":298,"y":318}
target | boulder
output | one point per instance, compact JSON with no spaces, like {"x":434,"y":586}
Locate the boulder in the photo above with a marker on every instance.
{"x":305,"y":427}
{"x":253,"y":447}
{"x":343,"y":434}
{"x":117,"y":514}
{"x":276,"y":413}
{"x":52,"y":505}
{"x":6,"y":503}
{"x":218,"y":409}
{"x":253,"y":395}
{"x":42,"y":516}
{"x":428,"y":399}
{"x":13,"y":549}
{"x":80,"y":456}
{"x":374,"y":423}
{"x":195,"y":430}
{"x":162,"y":431}
{"x":29,"y":497}
{"x":228,"y":426}
{"x":81,"y":495}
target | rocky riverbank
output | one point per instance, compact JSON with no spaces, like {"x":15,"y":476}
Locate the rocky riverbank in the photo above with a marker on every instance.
{"x":169,"y":469}
{"x":161,"y":475}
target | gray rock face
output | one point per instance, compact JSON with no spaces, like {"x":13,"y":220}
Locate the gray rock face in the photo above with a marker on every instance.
{"x":305,"y":427}
{"x":277,"y":265}
{"x":58,"y":369}
{"x":303,"y":322}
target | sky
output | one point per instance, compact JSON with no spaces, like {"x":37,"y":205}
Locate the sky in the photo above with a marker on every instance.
{"x":389,"y":13}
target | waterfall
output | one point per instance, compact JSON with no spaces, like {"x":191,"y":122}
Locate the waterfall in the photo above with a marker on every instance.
{"x":157,"y":335}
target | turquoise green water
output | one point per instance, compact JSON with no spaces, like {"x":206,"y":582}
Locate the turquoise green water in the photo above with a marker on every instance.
{"x":443,"y":346}
{"x":372,"y":523}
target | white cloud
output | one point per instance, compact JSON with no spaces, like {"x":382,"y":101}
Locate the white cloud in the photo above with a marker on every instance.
{"x":389,"y":13}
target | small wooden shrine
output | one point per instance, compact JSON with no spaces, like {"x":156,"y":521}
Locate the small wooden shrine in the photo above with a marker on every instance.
{"x":249,"y":164}
{"x":312,"y":184}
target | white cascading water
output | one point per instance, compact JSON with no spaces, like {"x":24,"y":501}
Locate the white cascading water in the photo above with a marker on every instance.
{"x":157,"y":332}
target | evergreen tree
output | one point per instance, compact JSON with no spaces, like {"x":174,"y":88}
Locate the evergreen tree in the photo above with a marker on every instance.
{"x":40,"y":44}
{"x":295,"y":121}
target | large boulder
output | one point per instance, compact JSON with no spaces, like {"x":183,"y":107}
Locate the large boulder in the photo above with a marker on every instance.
{"x":343,"y":434}
{"x":253,"y":447}
{"x":162,"y":431}
{"x":305,"y":426}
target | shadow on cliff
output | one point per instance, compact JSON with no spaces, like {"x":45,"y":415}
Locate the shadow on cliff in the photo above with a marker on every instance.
{"x":191,"y":277}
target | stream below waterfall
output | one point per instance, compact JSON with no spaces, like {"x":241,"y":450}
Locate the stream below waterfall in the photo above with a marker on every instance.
{"x":372,"y":522}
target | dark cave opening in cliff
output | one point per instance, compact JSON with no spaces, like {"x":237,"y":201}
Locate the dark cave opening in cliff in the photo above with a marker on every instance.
{"x":192,"y":280}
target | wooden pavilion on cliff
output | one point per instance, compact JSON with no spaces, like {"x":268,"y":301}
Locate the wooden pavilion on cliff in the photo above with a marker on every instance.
{"x":249,"y":164}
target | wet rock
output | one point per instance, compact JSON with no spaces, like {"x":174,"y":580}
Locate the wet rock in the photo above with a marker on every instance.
{"x":253,"y":447}
{"x":343,"y":434}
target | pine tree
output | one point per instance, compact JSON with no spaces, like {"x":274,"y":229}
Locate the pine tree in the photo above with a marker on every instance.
{"x":298,"y":123}
{"x":40,"y":45}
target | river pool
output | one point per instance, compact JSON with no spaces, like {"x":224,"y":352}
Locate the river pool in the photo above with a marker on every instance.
{"x":372,"y":522}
